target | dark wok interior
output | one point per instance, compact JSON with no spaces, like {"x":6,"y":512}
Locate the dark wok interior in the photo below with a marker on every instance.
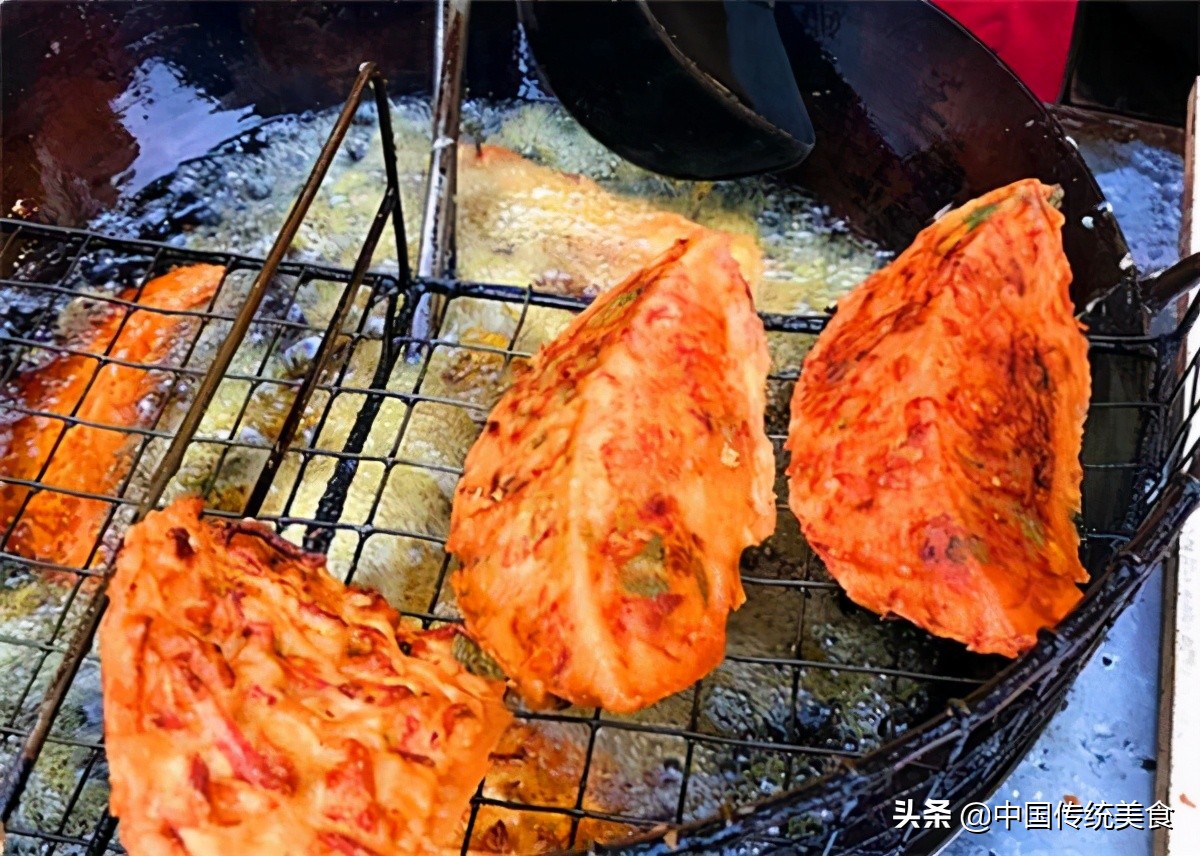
{"x":910,"y":112}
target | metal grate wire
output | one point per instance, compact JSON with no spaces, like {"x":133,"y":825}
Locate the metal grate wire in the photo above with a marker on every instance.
{"x":942,"y":745}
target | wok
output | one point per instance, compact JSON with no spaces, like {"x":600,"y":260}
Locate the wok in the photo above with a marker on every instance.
{"x":911,"y":114}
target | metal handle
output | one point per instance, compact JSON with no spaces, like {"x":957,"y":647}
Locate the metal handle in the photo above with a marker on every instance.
{"x":1167,"y":286}
{"x":436,"y":251}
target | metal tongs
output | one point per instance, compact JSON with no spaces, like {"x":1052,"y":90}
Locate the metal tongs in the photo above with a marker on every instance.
{"x":692,"y":89}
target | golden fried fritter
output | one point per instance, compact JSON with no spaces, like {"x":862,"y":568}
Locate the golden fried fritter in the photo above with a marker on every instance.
{"x":937,"y":425}
{"x":520,"y":219}
{"x":109,"y":399}
{"x":254,"y":704}
{"x":603,"y":511}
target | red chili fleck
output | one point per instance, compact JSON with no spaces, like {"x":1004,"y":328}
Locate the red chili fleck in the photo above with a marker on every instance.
{"x":339,"y":843}
{"x":657,"y":506}
{"x":252,"y":766}
{"x":393,"y":694}
{"x":368,"y":819}
{"x":257,"y":692}
{"x":313,"y":609}
{"x":199,"y":776}
{"x":167,"y":720}
{"x":423,"y":760}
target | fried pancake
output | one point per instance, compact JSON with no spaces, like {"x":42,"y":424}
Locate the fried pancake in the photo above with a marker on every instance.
{"x":108,"y":398}
{"x":937,"y":425}
{"x":603,"y":511}
{"x":254,"y":704}
{"x":520,"y":220}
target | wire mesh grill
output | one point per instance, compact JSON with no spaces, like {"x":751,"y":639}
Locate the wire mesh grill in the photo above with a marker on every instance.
{"x":827,"y":770}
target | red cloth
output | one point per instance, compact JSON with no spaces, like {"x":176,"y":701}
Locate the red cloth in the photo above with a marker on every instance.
{"x":1032,"y":36}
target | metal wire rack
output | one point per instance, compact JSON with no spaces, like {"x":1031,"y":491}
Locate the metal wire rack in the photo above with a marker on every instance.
{"x":798,"y":778}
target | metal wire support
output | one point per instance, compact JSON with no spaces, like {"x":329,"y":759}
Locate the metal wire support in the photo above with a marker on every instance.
{"x":18,"y":774}
{"x":436,"y":250}
{"x":389,"y":208}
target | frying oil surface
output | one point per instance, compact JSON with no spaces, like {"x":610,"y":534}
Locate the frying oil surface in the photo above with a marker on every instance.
{"x":238,"y":197}
{"x":512,"y":222}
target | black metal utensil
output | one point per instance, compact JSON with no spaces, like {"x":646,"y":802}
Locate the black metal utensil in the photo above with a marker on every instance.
{"x":690,"y":89}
